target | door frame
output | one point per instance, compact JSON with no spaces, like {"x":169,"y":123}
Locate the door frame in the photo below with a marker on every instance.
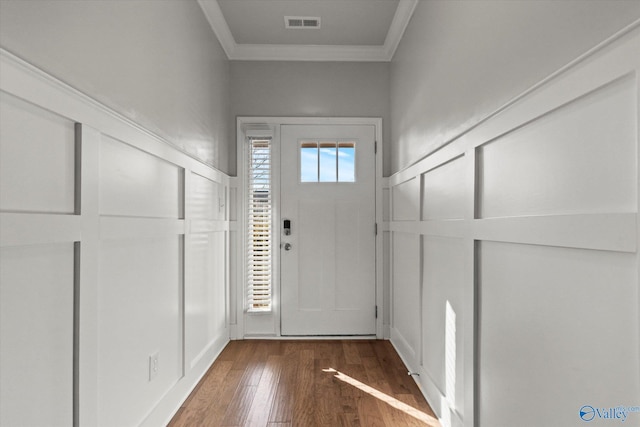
{"x":267,"y":325}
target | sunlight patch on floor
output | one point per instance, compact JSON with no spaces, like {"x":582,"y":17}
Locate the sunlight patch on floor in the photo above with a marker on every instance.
{"x":391,"y":401}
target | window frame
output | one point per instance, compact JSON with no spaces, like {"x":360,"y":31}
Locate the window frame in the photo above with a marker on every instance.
{"x":339,"y":143}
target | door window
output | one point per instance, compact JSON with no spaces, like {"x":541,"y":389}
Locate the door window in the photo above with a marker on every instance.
{"x":327,"y":161}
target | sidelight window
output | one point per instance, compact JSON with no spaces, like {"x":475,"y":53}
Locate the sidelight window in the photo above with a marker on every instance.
{"x":260,"y":236}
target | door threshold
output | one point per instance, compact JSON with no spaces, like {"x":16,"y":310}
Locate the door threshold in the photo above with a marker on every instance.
{"x":310,"y":337}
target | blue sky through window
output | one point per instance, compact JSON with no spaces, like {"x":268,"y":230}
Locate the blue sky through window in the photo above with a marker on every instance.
{"x":346,"y":164}
{"x":309,"y":164}
{"x":327,"y":161}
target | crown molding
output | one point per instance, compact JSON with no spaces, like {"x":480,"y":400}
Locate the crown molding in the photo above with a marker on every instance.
{"x":219,"y":25}
{"x":398,"y":26}
{"x":266,"y":52}
{"x":277,"y":52}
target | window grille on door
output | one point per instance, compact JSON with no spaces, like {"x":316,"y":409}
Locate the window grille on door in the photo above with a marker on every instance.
{"x":327,"y":161}
{"x":259,"y":221}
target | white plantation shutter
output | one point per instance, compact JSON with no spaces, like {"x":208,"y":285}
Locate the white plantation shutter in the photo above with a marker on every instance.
{"x":259,"y":221}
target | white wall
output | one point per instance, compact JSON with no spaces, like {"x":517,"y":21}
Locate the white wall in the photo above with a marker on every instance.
{"x":515,"y":271}
{"x":156,"y":62}
{"x":113,"y":239}
{"x":113,"y":248}
{"x":459,"y":61}
{"x":313,"y":89}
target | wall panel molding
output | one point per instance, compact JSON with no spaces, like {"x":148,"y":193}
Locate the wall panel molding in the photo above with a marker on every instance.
{"x":160,"y":226}
{"x":26,"y":81}
{"x":607,"y":232}
{"x":38,"y":229}
{"x":560,"y":166}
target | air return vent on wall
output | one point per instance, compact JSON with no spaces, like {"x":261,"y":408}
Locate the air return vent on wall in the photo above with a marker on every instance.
{"x":302,"y":22}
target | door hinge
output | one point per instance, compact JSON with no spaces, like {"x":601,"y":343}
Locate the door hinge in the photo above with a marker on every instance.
{"x":376,"y":229}
{"x":376,"y":311}
{"x":375,"y":147}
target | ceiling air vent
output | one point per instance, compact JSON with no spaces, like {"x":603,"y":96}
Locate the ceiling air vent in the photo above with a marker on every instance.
{"x":302,"y":22}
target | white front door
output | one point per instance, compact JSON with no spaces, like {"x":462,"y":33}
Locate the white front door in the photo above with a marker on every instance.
{"x":328,"y":201}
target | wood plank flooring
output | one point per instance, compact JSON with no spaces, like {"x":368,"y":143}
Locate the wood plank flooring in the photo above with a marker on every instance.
{"x":306,"y":384}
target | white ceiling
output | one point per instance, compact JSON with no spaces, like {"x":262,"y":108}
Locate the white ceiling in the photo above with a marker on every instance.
{"x":351,"y":30}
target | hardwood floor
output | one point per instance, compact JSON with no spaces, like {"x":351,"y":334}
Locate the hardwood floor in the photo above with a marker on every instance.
{"x":306,"y":383}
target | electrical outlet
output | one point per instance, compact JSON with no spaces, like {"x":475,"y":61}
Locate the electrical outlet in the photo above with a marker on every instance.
{"x":153,"y":366}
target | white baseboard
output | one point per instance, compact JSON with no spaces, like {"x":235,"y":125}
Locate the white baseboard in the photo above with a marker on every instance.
{"x":169,"y":405}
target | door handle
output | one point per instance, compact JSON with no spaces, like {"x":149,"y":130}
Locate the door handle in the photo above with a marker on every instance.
{"x":287,"y":246}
